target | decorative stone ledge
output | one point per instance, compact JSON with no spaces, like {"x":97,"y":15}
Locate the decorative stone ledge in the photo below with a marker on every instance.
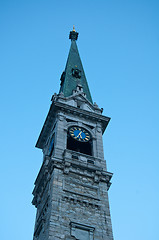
{"x":81,"y":202}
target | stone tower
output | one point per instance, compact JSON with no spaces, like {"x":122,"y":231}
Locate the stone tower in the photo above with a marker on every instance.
{"x":71,"y":189}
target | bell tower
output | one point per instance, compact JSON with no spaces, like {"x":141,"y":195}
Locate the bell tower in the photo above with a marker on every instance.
{"x":71,"y":189}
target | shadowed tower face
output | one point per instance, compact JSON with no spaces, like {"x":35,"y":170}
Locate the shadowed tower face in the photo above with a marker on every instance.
{"x":71,"y":189}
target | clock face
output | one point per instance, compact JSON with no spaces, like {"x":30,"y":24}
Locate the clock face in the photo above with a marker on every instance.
{"x":79,"y":134}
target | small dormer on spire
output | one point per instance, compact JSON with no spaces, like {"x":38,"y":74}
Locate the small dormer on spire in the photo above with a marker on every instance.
{"x":73,"y":34}
{"x":79,"y":89}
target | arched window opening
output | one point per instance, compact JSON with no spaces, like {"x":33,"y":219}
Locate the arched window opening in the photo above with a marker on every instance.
{"x":82,"y":147}
{"x":51,"y":146}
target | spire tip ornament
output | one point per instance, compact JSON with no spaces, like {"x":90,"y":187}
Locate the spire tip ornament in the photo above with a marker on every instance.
{"x":74,"y":28}
{"x":73,"y":34}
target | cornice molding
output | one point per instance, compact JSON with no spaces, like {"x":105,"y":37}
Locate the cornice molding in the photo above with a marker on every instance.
{"x":59,"y":106}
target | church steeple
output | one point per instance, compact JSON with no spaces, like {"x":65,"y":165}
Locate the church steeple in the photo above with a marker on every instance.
{"x":74,"y":72}
{"x":71,"y":189}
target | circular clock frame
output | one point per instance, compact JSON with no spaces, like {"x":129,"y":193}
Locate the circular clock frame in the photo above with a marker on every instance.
{"x":79,"y":134}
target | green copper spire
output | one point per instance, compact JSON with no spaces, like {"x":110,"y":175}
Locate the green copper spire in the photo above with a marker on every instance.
{"x":74,"y":73}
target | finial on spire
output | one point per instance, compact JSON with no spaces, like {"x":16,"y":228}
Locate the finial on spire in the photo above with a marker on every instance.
{"x":74,"y":28}
{"x":73,"y":34}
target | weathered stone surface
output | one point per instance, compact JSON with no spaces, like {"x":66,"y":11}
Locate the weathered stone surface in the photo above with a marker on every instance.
{"x":71,"y":189}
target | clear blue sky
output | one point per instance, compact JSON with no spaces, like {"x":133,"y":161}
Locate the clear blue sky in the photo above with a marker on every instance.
{"x":119,"y":47}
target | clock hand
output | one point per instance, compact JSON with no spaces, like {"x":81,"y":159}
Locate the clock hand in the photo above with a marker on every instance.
{"x":79,"y":134}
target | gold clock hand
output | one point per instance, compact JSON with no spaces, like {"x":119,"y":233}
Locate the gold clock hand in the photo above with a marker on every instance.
{"x":79,"y":134}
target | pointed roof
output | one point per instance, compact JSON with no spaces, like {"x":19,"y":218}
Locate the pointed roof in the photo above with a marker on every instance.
{"x":74,"y":72}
